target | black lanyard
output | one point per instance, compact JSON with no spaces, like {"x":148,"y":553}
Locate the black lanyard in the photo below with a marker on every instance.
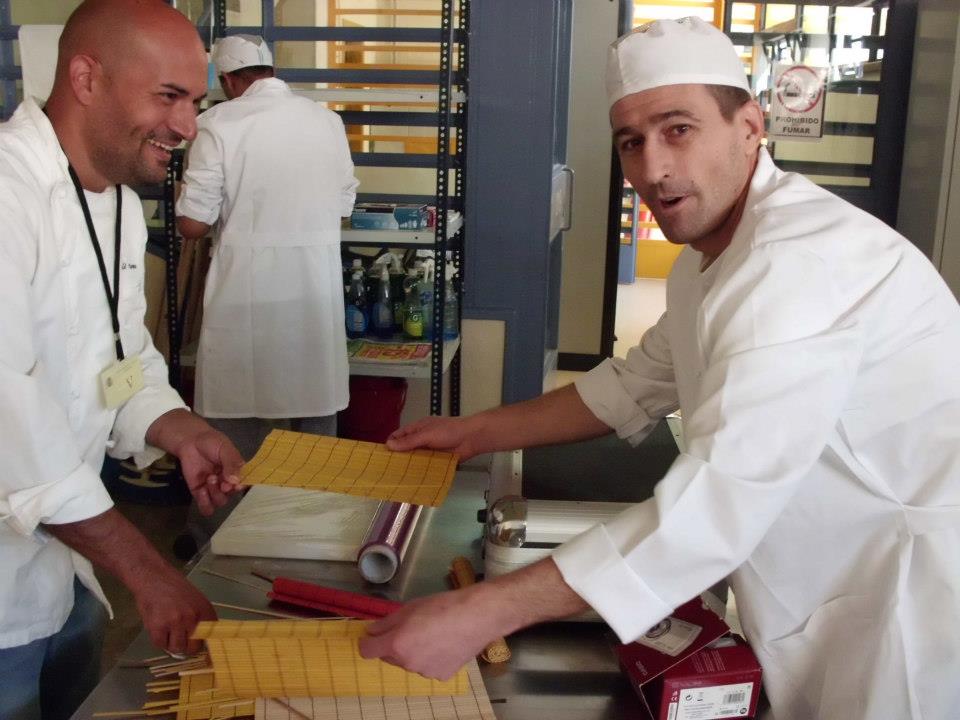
{"x":113,"y":298}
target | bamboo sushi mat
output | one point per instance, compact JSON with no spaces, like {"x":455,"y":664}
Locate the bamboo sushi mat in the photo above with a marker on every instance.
{"x":303,"y":658}
{"x":353,"y":467}
{"x":199,"y":700}
{"x":474,"y":705}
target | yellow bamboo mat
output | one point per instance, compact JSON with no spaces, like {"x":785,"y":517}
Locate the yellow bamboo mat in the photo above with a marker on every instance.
{"x":474,"y":705}
{"x":185,"y":689}
{"x":303,"y":658}
{"x":199,"y":700}
{"x":352,"y":467}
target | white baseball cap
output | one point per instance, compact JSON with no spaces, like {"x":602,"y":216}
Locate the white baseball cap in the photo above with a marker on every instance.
{"x":240,"y":51}
{"x":672,"y":52}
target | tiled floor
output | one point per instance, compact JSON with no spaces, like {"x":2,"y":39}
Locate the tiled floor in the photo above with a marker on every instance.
{"x":639,"y":306}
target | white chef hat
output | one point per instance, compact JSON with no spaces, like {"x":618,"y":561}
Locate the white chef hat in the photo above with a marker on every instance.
{"x":240,"y":51}
{"x":672,"y":52}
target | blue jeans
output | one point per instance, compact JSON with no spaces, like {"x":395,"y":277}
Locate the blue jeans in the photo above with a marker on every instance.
{"x":48,"y":678}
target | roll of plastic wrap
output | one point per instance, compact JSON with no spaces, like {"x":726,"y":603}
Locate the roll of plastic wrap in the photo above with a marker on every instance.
{"x":386,"y":541}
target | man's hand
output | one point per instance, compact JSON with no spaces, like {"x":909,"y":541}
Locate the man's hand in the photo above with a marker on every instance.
{"x":437,"y":635}
{"x":169,"y":605}
{"x":452,"y":434}
{"x":209,"y":461}
{"x":434,"y":636}
{"x":170,"y":608}
{"x":211,"y":466}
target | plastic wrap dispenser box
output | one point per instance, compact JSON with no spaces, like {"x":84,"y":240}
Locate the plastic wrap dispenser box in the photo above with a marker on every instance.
{"x":688,"y":668}
{"x":368,"y":216}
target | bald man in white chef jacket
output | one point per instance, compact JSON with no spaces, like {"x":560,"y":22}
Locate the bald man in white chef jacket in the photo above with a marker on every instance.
{"x":79,"y":374}
{"x":813,"y":353}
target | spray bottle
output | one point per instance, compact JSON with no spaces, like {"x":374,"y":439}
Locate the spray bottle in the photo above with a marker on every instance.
{"x":397,"y":276}
{"x":357,"y":315}
{"x":382,"y":319}
{"x":426,"y":297}
{"x":412,"y":309}
{"x":451,"y":306}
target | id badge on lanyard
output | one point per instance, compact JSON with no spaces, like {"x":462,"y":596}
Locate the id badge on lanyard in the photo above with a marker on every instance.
{"x":123,"y":378}
{"x":121,"y":381}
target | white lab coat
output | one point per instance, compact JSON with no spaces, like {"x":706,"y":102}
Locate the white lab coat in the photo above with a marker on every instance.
{"x":55,"y":339}
{"x":275,"y":170}
{"x":815,"y":363}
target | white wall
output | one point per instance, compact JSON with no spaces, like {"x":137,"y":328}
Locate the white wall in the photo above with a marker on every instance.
{"x":41,"y":12}
{"x":929,"y":210}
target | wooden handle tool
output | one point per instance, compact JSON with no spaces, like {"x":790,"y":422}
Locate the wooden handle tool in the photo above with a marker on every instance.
{"x":461,"y":575}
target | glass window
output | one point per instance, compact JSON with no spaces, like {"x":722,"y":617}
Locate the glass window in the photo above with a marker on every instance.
{"x":854,"y":57}
{"x":816,"y":18}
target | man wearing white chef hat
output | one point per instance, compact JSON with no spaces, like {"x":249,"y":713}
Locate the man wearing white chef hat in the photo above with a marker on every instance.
{"x":812,"y":352}
{"x":273,"y":346}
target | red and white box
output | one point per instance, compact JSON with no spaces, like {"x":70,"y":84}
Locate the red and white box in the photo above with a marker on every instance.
{"x":689,"y":667}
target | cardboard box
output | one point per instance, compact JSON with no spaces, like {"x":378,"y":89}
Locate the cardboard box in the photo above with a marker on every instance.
{"x":688,"y":667}
{"x":373,"y":216}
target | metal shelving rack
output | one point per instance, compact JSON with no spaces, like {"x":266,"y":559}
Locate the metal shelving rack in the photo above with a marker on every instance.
{"x":449,"y":91}
{"x":163,"y":241}
{"x":9,"y":71}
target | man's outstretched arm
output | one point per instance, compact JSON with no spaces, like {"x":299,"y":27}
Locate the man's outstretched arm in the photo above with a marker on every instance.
{"x":437,"y":635}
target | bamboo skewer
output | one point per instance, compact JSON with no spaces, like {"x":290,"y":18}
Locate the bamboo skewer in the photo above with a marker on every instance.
{"x":189,"y":700}
{"x":255,"y":611}
{"x":262,"y":576}
{"x":289,"y":708}
{"x":238,"y":581}
{"x":146,"y":662}
{"x":197,"y":671}
{"x":461,"y":575}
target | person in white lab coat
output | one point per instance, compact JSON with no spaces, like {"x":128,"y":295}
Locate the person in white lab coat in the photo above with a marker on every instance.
{"x":128,"y":78}
{"x":273,"y":171}
{"x":812,"y":351}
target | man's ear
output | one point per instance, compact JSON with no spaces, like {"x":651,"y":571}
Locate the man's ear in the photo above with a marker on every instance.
{"x":226,"y":83}
{"x":85,"y":73}
{"x":751,"y":120}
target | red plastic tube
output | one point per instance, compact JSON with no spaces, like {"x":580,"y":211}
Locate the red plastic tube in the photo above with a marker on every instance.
{"x":332,"y":600}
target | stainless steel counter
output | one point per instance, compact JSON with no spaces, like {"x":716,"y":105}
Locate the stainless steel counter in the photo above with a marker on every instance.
{"x":558,"y":672}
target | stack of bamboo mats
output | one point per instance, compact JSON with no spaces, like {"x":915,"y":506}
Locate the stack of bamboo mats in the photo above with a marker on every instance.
{"x":301,"y":670}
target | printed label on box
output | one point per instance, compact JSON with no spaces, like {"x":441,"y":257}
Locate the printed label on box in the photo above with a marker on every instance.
{"x":670,"y":636}
{"x":710,"y":703}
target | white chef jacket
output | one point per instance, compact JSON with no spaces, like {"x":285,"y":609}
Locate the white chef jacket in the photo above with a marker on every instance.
{"x":275,"y":169}
{"x":815,"y":364}
{"x":55,"y":339}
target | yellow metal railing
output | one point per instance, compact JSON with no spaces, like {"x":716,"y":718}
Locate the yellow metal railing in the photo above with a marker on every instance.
{"x":353,"y":55}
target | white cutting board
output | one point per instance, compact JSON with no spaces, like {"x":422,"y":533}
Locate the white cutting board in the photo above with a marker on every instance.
{"x":281,"y":522}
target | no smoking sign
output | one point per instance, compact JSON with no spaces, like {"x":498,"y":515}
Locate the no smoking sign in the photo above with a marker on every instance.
{"x":797,"y":102}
